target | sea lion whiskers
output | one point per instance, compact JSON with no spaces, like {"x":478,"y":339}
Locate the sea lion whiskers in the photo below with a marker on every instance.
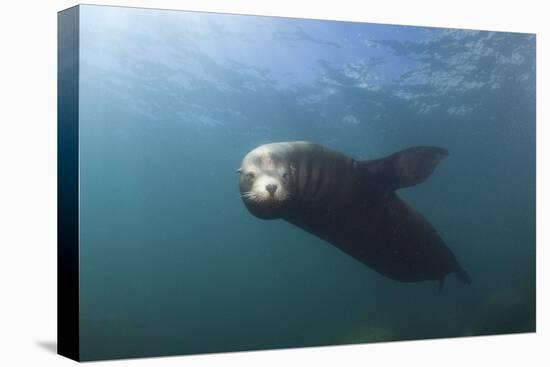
{"x":248,"y":195}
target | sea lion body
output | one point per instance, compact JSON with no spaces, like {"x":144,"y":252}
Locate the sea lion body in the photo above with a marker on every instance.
{"x":352,"y":205}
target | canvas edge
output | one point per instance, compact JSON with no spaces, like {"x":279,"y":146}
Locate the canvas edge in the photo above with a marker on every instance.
{"x":68,"y":330}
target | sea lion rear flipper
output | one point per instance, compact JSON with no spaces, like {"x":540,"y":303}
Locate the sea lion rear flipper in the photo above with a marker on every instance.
{"x":462,"y":275}
{"x":402,"y":169}
{"x":441,"y":283}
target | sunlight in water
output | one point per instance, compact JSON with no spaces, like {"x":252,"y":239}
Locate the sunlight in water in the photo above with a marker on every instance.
{"x":170,"y":103}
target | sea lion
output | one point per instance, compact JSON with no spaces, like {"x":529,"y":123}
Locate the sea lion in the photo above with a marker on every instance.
{"x":352,"y":204}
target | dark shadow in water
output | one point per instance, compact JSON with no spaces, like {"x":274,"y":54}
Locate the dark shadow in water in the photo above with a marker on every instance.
{"x":50,"y":346}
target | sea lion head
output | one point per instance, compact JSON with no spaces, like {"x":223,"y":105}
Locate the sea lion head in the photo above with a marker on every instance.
{"x":265,"y":181}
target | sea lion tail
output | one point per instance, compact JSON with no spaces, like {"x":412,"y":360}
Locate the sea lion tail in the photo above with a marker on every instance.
{"x":462,"y":275}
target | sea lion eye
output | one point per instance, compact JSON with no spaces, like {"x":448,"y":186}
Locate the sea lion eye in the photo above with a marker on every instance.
{"x":250,"y":175}
{"x":285,"y":175}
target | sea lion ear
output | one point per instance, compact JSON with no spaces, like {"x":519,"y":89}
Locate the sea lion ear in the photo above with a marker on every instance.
{"x":238,"y":170}
{"x":406,"y":168}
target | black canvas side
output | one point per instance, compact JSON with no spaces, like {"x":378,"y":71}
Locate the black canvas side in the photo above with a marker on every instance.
{"x":67,"y":185}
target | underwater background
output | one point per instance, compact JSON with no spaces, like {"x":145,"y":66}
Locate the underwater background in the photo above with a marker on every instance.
{"x":171,"y":262}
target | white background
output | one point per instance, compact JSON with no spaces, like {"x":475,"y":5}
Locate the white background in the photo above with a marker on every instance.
{"x":28,"y":183}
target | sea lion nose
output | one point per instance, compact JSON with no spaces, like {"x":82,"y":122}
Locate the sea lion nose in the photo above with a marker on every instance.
{"x":271,"y":188}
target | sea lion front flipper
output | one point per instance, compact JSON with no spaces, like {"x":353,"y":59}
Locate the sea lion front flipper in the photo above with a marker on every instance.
{"x":405,"y":168}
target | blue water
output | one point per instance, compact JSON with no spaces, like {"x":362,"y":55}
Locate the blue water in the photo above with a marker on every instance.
{"x":170,"y":102}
